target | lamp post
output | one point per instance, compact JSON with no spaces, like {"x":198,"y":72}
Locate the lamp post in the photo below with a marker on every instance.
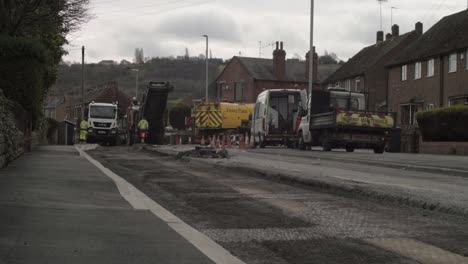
{"x":136,"y":83}
{"x":206,"y":73}
{"x":311,"y":50}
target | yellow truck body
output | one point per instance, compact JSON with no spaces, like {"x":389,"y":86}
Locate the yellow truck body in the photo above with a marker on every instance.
{"x":223,"y":116}
{"x":365,"y":120}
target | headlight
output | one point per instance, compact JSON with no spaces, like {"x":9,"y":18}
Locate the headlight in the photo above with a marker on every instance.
{"x":90,"y":130}
{"x":114,"y":131}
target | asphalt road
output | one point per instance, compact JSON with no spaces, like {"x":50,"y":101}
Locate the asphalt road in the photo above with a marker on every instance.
{"x":265,"y":221}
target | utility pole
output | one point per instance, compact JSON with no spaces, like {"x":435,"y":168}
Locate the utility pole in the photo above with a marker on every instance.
{"x":391,"y":15}
{"x":206,"y":73}
{"x":82,"y":82}
{"x":381,"y":22}
{"x":311,"y":50}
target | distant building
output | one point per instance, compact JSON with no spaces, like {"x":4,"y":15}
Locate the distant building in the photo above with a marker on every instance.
{"x":107,"y":62}
{"x":54,"y":107}
{"x":365,"y":72}
{"x":125,"y":62}
{"x":432,"y":71}
{"x":243,"y":78}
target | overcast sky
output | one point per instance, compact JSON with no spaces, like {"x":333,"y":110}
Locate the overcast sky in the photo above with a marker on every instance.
{"x":167,"y":27}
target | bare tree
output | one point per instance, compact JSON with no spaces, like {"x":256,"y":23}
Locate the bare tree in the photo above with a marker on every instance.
{"x":139,"y":56}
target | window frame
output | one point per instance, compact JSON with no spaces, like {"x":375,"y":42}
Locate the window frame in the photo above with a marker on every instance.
{"x":413,"y":109}
{"x":417,"y":70}
{"x":404,"y":73}
{"x":432,"y":68}
{"x":241,"y":86}
{"x":450,"y":60}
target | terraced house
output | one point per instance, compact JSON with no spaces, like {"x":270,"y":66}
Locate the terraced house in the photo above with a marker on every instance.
{"x":432,"y":71}
{"x":365,"y":72}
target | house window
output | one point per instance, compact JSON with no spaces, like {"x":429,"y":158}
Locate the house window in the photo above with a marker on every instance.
{"x":417,"y":70}
{"x":239,"y":92}
{"x":453,"y":62}
{"x":348,"y":85}
{"x":430,"y":68}
{"x":404,"y":72}
{"x":462,"y":100}
{"x":408,"y":114}
{"x":358,"y":83}
{"x":466,"y":60}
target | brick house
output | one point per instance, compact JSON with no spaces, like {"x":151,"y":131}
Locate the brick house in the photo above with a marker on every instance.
{"x":432,"y":71}
{"x":365,"y":72}
{"x":106,"y":93}
{"x":244,"y":78}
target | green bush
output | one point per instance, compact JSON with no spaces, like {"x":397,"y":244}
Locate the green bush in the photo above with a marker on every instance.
{"x":444,"y":124}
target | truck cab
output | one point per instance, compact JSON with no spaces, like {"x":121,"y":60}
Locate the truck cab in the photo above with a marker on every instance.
{"x":103,"y":123}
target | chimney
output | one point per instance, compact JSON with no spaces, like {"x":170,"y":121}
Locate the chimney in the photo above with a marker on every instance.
{"x":388,"y":36}
{"x":419,"y":28}
{"x":307,"y":62}
{"x":279,"y":62}
{"x":395,"y":31}
{"x":380,"y":35}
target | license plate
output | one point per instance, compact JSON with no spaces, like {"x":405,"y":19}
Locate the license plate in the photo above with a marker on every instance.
{"x":101,"y":132}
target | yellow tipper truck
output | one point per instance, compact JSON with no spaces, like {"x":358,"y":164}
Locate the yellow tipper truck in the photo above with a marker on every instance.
{"x":223,"y":117}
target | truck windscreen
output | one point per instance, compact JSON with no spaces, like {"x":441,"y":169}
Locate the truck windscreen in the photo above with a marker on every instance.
{"x":107,"y":112}
{"x":342,"y":102}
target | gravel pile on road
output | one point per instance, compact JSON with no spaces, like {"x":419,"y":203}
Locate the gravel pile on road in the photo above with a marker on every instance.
{"x":204,"y":152}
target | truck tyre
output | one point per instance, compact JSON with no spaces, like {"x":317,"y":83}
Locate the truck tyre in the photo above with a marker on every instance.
{"x":349,"y":149}
{"x":261,"y":140}
{"x":379,"y":149}
{"x":326,"y":145}
{"x":300,"y":142}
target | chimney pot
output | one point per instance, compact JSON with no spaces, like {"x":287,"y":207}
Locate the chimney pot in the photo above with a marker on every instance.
{"x":395,"y":30}
{"x":380,"y":36}
{"x":279,"y":62}
{"x":277,"y":44}
{"x":281,"y":45}
{"x":388,"y":36}
{"x":419,"y":28}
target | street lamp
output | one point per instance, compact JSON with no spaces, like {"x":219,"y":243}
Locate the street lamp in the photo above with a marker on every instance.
{"x":206,"y":73}
{"x":311,"y":50}
{"x":136,"y":84}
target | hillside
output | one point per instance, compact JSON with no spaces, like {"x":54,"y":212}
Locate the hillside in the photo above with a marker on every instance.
{"x":188,"y":76}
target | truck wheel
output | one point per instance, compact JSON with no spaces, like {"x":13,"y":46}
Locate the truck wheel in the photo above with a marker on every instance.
{"x":379,"y":149}
{"x":326,"y":145}
{"x":300,"y":142}
{"x":349,"y":149}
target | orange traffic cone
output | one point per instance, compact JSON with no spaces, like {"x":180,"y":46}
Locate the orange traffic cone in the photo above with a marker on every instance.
{"x":223,"y":145}
{"x":202,"y":140}
{"x":190,"y":140}
{"x":246,"y":140}
{"x":241,"y":142}
{"x":213,"y":143}
{"x":217,"y":141}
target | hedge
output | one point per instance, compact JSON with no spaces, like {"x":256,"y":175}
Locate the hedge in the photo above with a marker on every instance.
{"x":444,"y":124}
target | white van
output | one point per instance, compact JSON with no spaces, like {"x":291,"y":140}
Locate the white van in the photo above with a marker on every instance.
{"x":276,"y":117}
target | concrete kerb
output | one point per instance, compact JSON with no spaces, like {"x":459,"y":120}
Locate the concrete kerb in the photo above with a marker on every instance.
{"x":140,"y":201}
{"x":345,"y":188}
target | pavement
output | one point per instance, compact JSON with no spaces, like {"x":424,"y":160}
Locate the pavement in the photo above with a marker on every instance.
{"x":427,"y":185}
{"x":57,"y":207}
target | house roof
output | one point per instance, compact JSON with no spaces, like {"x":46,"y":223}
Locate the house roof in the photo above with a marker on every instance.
{"x":368,"y":58}
{"x":262,"y":69}
{"x":447,"y":35}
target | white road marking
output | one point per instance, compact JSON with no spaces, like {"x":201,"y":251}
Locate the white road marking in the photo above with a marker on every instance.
{"x":419,"y":251}
{"x":140,"y":201}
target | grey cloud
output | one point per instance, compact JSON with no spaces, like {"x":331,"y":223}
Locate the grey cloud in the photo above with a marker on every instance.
{"x":191,"y":25}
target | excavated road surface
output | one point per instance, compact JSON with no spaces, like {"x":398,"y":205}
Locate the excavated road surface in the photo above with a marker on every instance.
{"x":263,"y":221}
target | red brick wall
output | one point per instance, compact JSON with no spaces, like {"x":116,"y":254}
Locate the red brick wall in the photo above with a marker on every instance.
{"x":235,"y":72}
{"x":427,"y":88}
{"x":456,"y":84}
{"x":444,"y":148}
